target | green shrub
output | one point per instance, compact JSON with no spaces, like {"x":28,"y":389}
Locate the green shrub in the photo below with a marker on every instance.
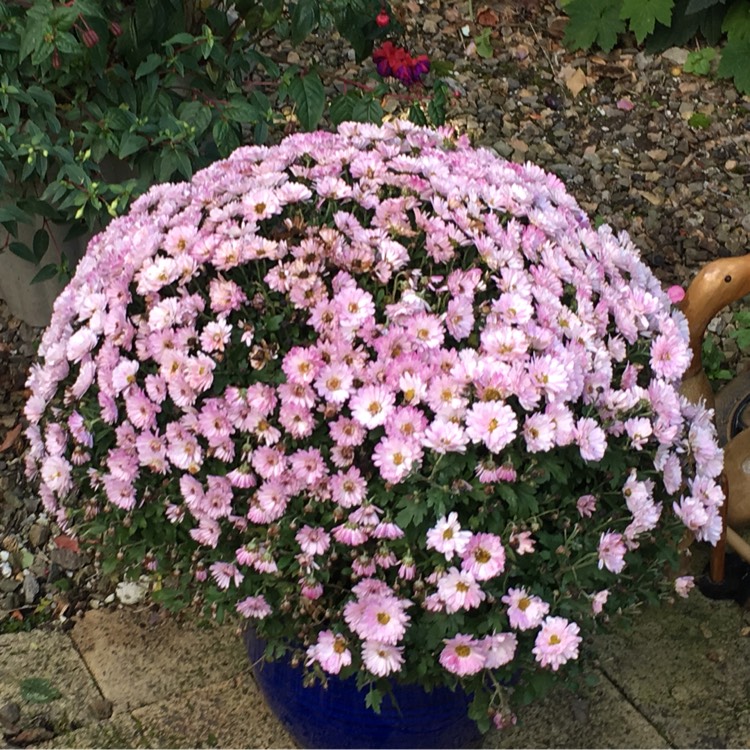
{"x":100,"y":99}
{"x":666,"y":23}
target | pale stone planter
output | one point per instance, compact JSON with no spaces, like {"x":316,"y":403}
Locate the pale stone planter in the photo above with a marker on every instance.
{"x":33,"y":303}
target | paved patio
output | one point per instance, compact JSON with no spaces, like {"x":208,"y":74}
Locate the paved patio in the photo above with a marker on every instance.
{"x":131,"y":678}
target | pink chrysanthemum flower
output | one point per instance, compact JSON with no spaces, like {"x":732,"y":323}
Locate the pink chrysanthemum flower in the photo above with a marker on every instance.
{"x":523,"y":542}
{"x":226,"y":573}
{"x":500,"y":649}
{"x":459,"y":590}
{"x":371,"y":405}
{"x":492,"y":423}
{"x":382,"y":659}
{"x":447,"y":536}
{"x":586,"y":505}
{"x":612,"y":551}
{"x":684,"y":585}
{"x":330,"y":652}
{"x":395,"y":458}
{"x":463,"y":655}
{"x":484,"y":556}
{"x":313,"y":540}
{"x":378,"y":617}
{"x":254,"y":606}
{"x":525,"y":611}
{"x":598,"y":601}
{"x":556,"y":643}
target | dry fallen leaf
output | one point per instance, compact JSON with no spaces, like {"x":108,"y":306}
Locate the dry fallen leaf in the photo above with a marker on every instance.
{"x":574,"y":78}
{"x":487,"y":17}
{"x":652,"y":198}
{"x":11,"y":438}
{"x":67,"y":542}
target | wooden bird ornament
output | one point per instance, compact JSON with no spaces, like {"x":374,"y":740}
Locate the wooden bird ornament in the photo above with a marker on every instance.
{"x":716,"y":285}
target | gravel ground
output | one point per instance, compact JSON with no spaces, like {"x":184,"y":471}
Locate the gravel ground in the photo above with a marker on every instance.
{"x":642,"y":146}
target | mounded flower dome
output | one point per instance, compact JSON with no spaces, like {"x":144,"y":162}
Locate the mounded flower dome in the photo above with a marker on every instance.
{"x":390,"y":396}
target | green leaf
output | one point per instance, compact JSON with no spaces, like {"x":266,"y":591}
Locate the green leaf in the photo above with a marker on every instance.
{"x":130,"y":143}
{"x":736,"y":23}
{"x":13,"y":213}
{"x":643,"y":15}
{"x":591,"y":23}
{"x":197,"y":114}
{"x":682,"y":28}
{"x":699,"y":61}
{"x":45,"y":274}
{"x":40,"y":244}
{"x":695,"y":6}
{"x":118,"y":118}
{"x":305,"y":18}
{"x":342,"y":107}
{"x":734,"y":63}
{"x":149,"y":65}
{"x":417,"y":115}
{"x":225,"y":137}
{"x":374,"y":699}
{"x":182,"y":38}
{"x":241,"y":110}
{"x":309,"y":96}
{"x":483,"y":43}
{"x":22,"y":251}
{"x":38,"y":690}
{"x":367,"y":109}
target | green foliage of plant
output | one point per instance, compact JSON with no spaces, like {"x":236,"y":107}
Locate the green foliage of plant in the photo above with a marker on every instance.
{"x":715,"y":362}
{"x":483,"y":43}
{"x":642,"y":15}
{"x":699,"y":61}
{"x":592,"y":24}
{"x":39,"y":690}
{"x":699,"y":120}
{"x":100,"y":99}
{"x":741,"y":331}
{"x":665,"y":23}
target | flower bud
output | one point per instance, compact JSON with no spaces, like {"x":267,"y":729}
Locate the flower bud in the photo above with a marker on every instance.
{"x":382,"y":19}
{"x":90,"y":37}
{"x":115,"y":28}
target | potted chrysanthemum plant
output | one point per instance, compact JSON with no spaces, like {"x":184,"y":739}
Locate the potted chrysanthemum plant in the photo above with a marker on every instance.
{"x":392,"y":399}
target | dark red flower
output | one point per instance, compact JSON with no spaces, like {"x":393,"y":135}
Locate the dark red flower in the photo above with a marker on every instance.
{"x":397,"y":62}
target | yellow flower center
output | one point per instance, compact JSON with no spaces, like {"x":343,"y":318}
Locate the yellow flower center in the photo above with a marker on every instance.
{"x":384,"y":618}
{"x":554,"y":640}
{"x":524,"y":603}
{"x":463,"y":651}
{"x":482,"y":556}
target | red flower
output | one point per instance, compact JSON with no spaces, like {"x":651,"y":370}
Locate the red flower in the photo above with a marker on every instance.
{"x":382,"y":19}
{"x":397,"y":62}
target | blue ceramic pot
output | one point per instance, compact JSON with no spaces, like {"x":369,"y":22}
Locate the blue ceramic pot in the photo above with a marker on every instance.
{"x":336,"y":716}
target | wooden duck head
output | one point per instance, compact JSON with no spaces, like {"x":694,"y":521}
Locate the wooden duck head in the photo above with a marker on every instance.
{"x":716,"y":285}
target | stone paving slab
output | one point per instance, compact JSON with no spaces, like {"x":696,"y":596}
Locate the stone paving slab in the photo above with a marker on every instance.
{"x":232,"y":714}
{"x":596,"y":717}
{"x":138,"y":658}
{"x":67,"y":696}
{"x":121,"y":731}
{"x":687,"y":669}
